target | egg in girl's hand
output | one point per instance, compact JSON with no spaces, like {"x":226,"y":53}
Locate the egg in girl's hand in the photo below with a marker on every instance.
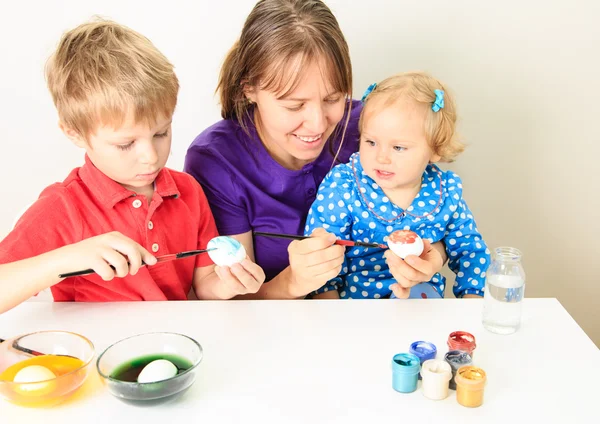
{"x":405,"y":242}
{"x":228,"y":251}
{"x":158,"y":370}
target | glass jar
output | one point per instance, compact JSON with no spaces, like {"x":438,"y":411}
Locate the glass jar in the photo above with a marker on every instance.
{"x":504,"y":292}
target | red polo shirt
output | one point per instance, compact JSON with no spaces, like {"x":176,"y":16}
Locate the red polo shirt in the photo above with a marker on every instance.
{"x":88,"y":203}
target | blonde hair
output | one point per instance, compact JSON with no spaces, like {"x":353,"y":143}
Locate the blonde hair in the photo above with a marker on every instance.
{"x":440,"y":127}
{"x":279,"y":35}
{"x":101,"y":71}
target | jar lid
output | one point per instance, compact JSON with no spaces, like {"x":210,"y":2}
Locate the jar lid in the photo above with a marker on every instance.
{"x":437,"y":369}
{"x":458,"y":358}
{"x":406,"y":363}
{"x":460,"y":340}
{"x":472,"y":377}
{"x":424,"y":350}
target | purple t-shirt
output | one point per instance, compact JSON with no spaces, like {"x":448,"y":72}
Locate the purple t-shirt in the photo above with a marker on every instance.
{"x":249,"y":191}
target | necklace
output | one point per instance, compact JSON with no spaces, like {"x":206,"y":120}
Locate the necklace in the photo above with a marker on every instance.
{"x":404,"y":213}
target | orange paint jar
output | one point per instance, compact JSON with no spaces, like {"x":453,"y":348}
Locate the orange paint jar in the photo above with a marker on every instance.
{"x":470,"y":382}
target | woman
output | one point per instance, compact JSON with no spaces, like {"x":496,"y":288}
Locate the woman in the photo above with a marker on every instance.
{"x":285,"y":90}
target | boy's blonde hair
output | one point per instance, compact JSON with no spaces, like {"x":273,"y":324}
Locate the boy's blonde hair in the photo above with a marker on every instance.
{"x":440,"y":126}
{"x":101,"y":71}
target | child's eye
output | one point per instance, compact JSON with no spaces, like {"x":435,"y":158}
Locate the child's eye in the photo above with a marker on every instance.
{"x":333,"y":101}
{"x":125,"y":146}
{"x":163,"y":134}
{"x":370,"y":142}
{"x":399,"y":148}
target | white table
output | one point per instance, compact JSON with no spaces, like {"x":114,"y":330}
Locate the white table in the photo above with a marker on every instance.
{"x":327,"y":361}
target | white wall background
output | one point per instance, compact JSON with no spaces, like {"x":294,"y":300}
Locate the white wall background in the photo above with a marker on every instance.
{"x":526,"y":75}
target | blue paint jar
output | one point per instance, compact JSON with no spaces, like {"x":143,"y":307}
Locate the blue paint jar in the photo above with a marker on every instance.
{"x":423,"y":350}
{"x":405,"y":372}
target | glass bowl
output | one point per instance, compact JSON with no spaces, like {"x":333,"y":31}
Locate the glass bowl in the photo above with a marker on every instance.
{"x":120,"y":363}
{"x":67,"y":355}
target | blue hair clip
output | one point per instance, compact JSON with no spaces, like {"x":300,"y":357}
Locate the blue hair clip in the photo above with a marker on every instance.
{"x":439,"y":101}
{"x":368,"y":91}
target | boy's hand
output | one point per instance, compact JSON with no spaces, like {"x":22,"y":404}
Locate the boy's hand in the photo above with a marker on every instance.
{"x":241,"y":278}
{"x":100,"y":252}
{"x":414,"y":269}
{"x":314,"y":261}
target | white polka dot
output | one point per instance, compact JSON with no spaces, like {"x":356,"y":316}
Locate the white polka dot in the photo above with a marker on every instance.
{"x":341,"y":203}
{"x":353,"y":268}
{"x":361,"y":262}
{"x":333,"y":185}
{"x":474,"y":282}
{"x":385,"y":199}
{"x":466,"y":264}
{"x":483,"y":275}
{"x":320,"y":197}
{"x":343,"y":215}
{"x":372,"y":225}
{"x":332,"y":218}
{"x":379,"y":285}
{"x":320,"y":208}
{"x":377,"y":267}
{"x":383,"y":208}
{"x":460,"y":274}
{"x":459,"y":234}
{"x":326,"y":226}
{"x":365,"y":293}
{"x":452,"y":242}
{"x":365,"y":273}
{"x":356,"y":252}
{"x":476,"y":270}
{"x":312,"y":221}
{"x":347,"y":196}
{"x":356,"y":203}
{"x":366,"y":284}
{"x":478,"y":245}
{"x":353,"y":289}
{"x":331,"y":206}
{"x":343,"y":294}
{"x":373,"y":195}
{"x":337,"y":175}
{"x":376,"y":296}
{"x":365,"y":214}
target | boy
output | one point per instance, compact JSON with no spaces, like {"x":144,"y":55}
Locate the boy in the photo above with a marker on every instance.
{"x":115,"y":94}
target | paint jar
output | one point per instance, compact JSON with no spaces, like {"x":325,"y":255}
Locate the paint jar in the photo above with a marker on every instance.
{"x":423,"y":350}
{"x":436,"y":374}
{"x":405,"y":370}
{"x":461,"y":340}
{"x":457,"y":359}
{"x":470,"y":382}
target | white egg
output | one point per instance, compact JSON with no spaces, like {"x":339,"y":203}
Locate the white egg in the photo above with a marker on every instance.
{"x":33,"y":374}
{"x":228,"y":251}
{"x":405,"y":242}
{"x":158,"y":370}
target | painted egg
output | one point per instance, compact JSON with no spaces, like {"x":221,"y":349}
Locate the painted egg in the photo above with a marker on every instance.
{"x":228,"y":251}
{"x":158,"y":370}
{"x":33,"y":374}
{"x":405,"y":242}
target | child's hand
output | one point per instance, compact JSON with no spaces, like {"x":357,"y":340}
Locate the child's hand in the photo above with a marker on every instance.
{"x":100,"y":252}
{"x":314,"y":261}
{"x":414,"y":269}
{"x":241,"y":278}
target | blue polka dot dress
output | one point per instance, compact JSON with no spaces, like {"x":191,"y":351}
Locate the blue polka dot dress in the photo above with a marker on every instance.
{"x":341,"y":208}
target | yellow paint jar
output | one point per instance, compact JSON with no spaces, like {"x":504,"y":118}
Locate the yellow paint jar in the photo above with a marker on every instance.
{"x":470,"y":382}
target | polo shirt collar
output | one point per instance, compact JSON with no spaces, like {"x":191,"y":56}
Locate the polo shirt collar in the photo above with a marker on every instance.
{"x":109,"y":192}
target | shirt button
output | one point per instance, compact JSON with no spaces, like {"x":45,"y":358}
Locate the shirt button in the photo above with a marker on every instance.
{"x":137,"y":203}
{"x":311,"y":191}
{"x":155,"y":247}
{"x":150,"y":225}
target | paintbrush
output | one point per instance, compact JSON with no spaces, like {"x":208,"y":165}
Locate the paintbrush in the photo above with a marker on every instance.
{"x":340,"y":242}
{"x":159,"y":259}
